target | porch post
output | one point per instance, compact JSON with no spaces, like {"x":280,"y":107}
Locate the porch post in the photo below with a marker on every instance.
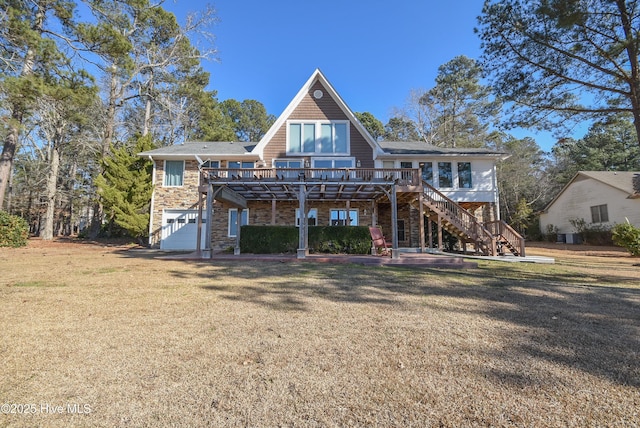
{"x":199,"y":237}
{"x":236,"y":250}
{"x":348,"y":208}
{"x":209,"y":223}
{"x":303,"y":249}
{"x":374,"y":213}
{"x":421,"y":222}
{"x":430,"y":231}
{"x":273,"y":211}
{"x":394,"y":223}
{"x":439,"y":233}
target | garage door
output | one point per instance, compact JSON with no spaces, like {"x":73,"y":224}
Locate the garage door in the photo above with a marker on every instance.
{"x":180,"y":229}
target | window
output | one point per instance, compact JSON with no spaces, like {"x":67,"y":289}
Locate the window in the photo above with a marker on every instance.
{"x":329,"y":163}
{"x":234,"y":165}
{"x":312,"y":217}
{"x":318,"y":137}
{"x":599,"y":214}
{"x":445,"y":175}
{"x":427,"y":172}
{"x":210,"y":164}
{"x":173,"y":173}
{"x":388,"y":164}
{"x":464,"y":175}
{"x":233,"y":215}
{"x":284,"y":164}
{"x":287,"y":163}
{"x":401,"y":230}
{"x":339,"y":217}
{"x":406,"y":175}
{"x":243,"y":165}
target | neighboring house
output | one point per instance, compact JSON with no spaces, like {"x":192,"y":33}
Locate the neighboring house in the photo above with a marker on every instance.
{"x":601,"y":198}
{"x":319,"y":159}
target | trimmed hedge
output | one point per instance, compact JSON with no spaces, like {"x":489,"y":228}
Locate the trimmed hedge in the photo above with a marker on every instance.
{"x":268,"y":239}
{"x":14,"y":230}
{"x":322,"y":239}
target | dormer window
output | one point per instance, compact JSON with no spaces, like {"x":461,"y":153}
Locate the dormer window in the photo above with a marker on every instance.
{"x":318,"y":137}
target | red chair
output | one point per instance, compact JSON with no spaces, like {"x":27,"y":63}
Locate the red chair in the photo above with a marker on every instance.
{"x":379,"y":243}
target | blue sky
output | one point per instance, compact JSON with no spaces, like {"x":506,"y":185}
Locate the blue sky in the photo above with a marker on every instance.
{"x":372,"y":51}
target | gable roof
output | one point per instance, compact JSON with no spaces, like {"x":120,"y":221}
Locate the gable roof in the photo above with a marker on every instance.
{"x":317,"y":76}
{"x":422,"y":148}
{"x":620,"y":180}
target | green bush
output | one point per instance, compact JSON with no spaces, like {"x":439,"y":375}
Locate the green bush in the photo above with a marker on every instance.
{"x":340,"y":239}
{"x":268,"y":239}
{"x":322,"y":239}
{"x":14,"y":230}
{"x":592,"y":234}
{"x":627,"y":236}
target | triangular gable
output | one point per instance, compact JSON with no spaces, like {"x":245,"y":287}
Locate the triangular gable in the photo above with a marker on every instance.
{"x":603,"y":177}
{"x":316,"y":77}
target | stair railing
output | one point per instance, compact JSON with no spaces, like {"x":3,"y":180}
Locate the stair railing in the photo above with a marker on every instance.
{"x":460,"y":218}
{"x":501,"y":229}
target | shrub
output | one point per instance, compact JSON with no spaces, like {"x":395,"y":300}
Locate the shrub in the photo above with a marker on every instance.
{"x":14,"y":230}
{"x":340,"y":239}
{"x":627,"y":236}
{"x":322,"y":239}
{"x":593,"y":234}
{"x":551,"y":234}
{"x":268,"y":239}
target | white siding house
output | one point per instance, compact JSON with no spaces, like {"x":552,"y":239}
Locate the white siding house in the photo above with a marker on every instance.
{"x":599,"y":197}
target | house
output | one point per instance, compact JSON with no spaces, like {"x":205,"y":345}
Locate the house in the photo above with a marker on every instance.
{"x":601,"y":198}
{"x":318,"y":159}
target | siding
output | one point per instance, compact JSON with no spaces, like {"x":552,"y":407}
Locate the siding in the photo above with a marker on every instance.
{"x":578,"y":198}
{"x":325,"y":108}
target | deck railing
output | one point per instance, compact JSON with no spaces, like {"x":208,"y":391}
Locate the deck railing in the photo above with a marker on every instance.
{"x":401,"y":176}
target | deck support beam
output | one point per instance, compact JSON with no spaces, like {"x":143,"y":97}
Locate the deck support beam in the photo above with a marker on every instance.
{"x":303,"y":230}
{"x":395,"y":254}
{"x":421,"y":222}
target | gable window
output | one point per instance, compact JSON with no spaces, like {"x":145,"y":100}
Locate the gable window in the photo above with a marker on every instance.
{"x":339,"y":217}
{"x":173,"y":173}
{"x":599,"y":214}
{"x":233,"y":216}
{"x":318,"y":137}
{"x":445,"y":175}
{"x":312,"y":217}
{"x":464,"y":175}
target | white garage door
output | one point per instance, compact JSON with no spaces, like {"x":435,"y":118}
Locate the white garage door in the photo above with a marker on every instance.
{"x":180,"y":229}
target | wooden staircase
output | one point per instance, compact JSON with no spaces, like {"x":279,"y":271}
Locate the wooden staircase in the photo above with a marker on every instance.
{"x":491,"y":239}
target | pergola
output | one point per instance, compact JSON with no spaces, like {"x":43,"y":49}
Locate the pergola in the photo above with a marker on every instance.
{"x":238,"y":186}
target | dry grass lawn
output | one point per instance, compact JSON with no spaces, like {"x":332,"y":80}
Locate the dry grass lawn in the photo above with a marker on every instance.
{"x":131,"y":340}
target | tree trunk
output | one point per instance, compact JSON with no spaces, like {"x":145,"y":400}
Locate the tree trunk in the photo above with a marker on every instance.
{"x":17,"y":114}
{"x":52,"y":181}
{"x":6,"y":159}
{"x":110,"y":125}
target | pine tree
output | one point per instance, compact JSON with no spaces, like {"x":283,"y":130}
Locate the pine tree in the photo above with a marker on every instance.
{"x":126,"y":187}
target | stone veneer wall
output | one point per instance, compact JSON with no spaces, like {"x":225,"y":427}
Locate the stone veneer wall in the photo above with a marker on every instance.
{"x":260,"y":213}
{"x":184,"y":197}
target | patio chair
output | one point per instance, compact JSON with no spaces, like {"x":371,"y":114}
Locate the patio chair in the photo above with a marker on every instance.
{"x":379,"y":243}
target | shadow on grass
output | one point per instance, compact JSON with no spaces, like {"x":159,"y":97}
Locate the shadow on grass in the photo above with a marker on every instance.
{"x":566,"y":320}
